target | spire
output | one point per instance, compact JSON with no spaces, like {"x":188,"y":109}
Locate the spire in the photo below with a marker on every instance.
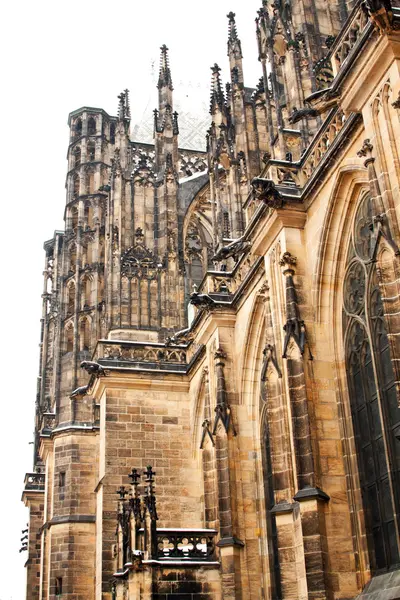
{"x":164,"y":78}
{"x":217,"y":95}
{"x":234,"y":45}
{"x":124,"y":111}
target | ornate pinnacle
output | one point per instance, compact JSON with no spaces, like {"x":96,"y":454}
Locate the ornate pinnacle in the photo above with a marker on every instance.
{"x":234,"y":46}
{"x":164,"y":79}
{"x":135,"y":477}
{"x":127,"y":105}
{"x":217,"y":94}
{"x":232,"y":26}
{"x":150,"y":474}
{"x":122,"y":492}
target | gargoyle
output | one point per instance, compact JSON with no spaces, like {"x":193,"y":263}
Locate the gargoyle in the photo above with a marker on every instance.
{"x":265,"y":190}
{"x":380,"y":13}
{"x":80,"y":391}
{"x":234,"y":250}
{"x":92,"y":367}
{"x":201,"y":299}
{"x":302,"y":113}
{"x":174,"y":339}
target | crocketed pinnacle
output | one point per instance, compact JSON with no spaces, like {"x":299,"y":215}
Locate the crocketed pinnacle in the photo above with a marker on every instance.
{"x":217,"y":95}
{"x":124,"y":111}
{"x":164,"y":79}
{"x":234,"y":45}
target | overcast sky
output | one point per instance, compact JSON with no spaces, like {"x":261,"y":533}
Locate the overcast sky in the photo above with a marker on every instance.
{"x":56,"y":57}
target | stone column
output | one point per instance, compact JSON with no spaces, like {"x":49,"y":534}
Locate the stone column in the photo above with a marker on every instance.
{"x":310,"y":497}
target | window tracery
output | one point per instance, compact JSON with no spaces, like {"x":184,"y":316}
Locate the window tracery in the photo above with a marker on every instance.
{"x":374,"y":409}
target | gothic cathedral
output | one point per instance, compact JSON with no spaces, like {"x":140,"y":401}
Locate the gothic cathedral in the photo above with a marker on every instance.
{"x":217,"y":414}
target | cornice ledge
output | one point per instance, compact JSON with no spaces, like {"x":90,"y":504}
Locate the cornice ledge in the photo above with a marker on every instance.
{"x":293,"y":216}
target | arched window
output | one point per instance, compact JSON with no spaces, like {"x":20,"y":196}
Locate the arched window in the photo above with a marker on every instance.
{"x":74,"y":217}
{"x":69,"y":338}
{"x":71,"y":299}
{"x":78,"y":128}
{"x":77,"y":157}
{"x":72,"y":259}
{"x":112,"y":133}
{"x":91,"y":151}
{"x":84,"y":335}
{"x":90,"y":182}
{"x":86,"y":292}
{"x":88,"y":215}
{"x":76,"y":184}
{"x":91,"y":126}
{"x":374,"y":409}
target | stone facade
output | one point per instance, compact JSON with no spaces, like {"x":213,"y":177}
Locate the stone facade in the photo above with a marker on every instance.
{"x":220,"y":333}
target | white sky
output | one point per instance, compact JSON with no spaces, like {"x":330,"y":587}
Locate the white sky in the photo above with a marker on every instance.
{"x":56,"y":57}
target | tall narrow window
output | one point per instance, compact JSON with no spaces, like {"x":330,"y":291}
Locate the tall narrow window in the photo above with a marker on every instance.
{"x":91,"y":126}
{"x":112,"y":133}
{"x":76,"y":184}
{"x":374,"y":409}
{"x":78,"y":128}
{"x":77,"y":157}
{"x":91,"y":151}
{"x":58,"y":586}
{"x":69,"y":339}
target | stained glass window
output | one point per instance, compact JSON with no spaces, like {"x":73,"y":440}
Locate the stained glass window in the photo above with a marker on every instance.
{"x":374,"y":409}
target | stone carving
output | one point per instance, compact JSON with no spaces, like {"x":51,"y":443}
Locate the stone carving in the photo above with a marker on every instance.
{"x":265,"y":190}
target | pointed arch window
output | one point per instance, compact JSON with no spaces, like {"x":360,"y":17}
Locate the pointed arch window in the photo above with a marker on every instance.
{"x":69,"y":339}
{"x":84,"y":335}
{"x":112,"y":133}
{"x":71,"y":299}
{"x":371,"y":381}
{"x":78,"y":128}
{"x":91,"y":151}
{"x":76,"y":184}
{"x":77,"y":157}
{"x":91,"y":126}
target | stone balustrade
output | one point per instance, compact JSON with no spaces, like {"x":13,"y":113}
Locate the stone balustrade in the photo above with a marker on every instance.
{"x":34,"y":482}
{"x":145,"y":356}
{"x":186,"y":544}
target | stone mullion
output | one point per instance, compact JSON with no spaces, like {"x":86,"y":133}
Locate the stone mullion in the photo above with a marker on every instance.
{"x":389,"y":276}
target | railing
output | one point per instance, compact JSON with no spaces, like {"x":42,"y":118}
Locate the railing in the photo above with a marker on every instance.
{"x":296,"y":175}
{"x":222,"y":285}
{"x":184,"y":544}
{"x":145,"y":356}
{"x":347,"y":40}
{"x":34,"y":482}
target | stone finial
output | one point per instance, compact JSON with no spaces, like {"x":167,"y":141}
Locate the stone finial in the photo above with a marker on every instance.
{"x":122,"y":492}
